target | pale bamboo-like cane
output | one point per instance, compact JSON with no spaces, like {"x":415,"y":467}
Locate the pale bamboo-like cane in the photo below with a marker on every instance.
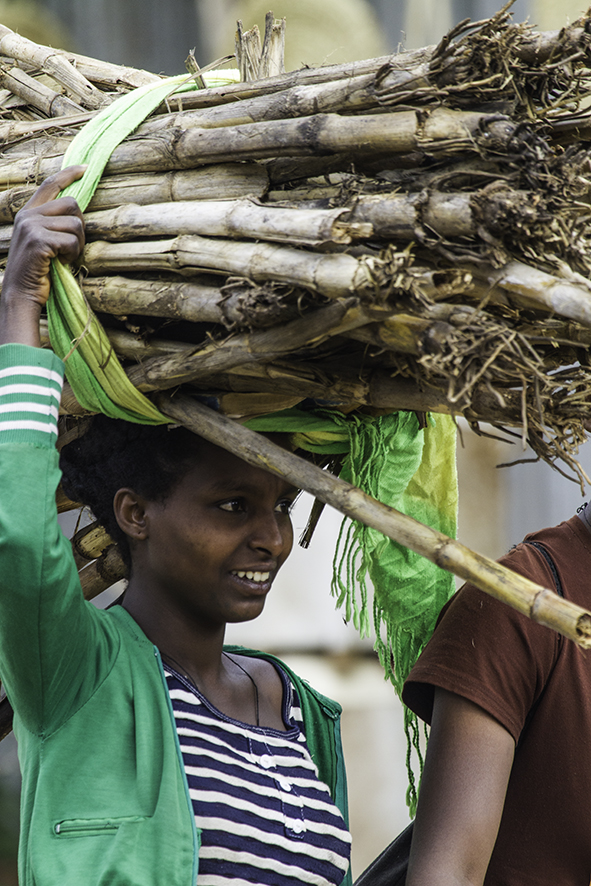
{"x":538,"y":603}
{"x":334,"y":276}
{"x":227,"y":218}
{"x":534,"y":288}
{"x":228,"y":181}
{"x":159,"y":373}
{"x":37,"y":94}
{"x":54,"y":63}
{"x":102,"y":573}
{"x":438,"y":130}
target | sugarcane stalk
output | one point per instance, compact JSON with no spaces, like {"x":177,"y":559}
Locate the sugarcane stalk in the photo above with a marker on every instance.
{"x":6,"y":718}
{"x":227,"y":218}
{"x":108,"y":75}
{"x":102,"y":573}
{"x":238,"y":303}
{"x":353,"y":94}
{"x":403,"y":132}
{"x":301,"y":380}
{"x":89,"y":543}
{"x":405,"y":333}
{"x":273,"y":54}
{"x":334,"y":276}
{"x":400,"y":132}
{"x":40,"y":145}
{"x":216,"y":182}
{"x":254,"y":405}
{"x":54,"y":63}
{"x":538,"y":603}
{"x":534,"y":288}
{"x":226,"y":181}
{"x":256,"y":61}
{"x":133,"y":347}
{"x":15,"y":130}
{"x":387,"y":392}
{"x":193,"y":301}
{"x":37,"y":94}
{"x":243,"y":91}
{"x":448,"y":214}
{"x":261,"y":346}
{"x":64,"y":503}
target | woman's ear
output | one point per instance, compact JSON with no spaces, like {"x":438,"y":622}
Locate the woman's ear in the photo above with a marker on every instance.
{"x":130,"y":513}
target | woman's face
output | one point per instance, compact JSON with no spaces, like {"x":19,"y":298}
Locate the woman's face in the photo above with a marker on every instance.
{"x":213,"y":548}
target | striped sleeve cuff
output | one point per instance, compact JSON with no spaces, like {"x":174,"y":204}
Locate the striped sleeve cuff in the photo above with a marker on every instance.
{"x":31,"y":381}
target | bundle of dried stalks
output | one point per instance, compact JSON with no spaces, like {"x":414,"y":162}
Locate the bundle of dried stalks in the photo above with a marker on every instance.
{"x":410,"y":232}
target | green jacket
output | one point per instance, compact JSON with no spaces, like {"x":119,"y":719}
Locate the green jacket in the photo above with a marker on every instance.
{"x":104,"y":797}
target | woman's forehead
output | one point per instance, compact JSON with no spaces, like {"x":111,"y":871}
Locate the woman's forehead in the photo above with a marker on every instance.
{"x":216,"y":467}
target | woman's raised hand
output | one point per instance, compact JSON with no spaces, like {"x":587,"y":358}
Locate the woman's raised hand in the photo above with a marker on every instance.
{"x":45,"y":228}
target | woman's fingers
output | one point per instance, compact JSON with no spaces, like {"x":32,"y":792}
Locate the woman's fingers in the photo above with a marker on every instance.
{"x":64,"y":216}
{"x":52,"y":186}
{"x":44,"y":229}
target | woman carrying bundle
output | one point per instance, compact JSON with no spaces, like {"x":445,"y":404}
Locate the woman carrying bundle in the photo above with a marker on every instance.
{"x":150,"y":754}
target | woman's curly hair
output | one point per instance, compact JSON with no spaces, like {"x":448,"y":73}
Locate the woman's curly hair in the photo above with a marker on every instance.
{"x":113,"y":454}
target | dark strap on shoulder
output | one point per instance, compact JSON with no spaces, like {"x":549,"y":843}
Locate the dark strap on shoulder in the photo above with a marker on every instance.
{"x":560,"y":591}
{"x":551,"y":564}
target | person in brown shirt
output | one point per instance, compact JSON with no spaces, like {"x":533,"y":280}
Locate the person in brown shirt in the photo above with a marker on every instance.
{"x":505,"y":794}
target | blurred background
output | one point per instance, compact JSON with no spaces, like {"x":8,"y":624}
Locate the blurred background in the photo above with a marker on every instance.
{"x":498,"y":506}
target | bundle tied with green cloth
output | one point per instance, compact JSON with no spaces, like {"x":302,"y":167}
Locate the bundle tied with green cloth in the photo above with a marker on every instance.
{"x":412,"y":469}
{"x":92,"y":367}
{"x":389,"y":457}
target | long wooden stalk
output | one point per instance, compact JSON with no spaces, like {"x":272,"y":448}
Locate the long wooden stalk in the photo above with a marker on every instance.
{"x":15,"y":130}
{"x":37,"y":94}
{"x":401,"y":132}
{"x":534,"y":288}
{"x":438,"y":130}
{"x":191,"y":300}
{"x":164,"y":372}
{"x":228,"y":181}
{"x":353,"y":94}
{"x":54,"y":63}
{"x":132,"y":347}
{"x":536,"y":602}
{"x":102,"y":573}
{"x":227,"y":218}
{"x":89,"y":543}
{"x":392,"y":216}
{"x":239,"y":92}
{"x":334,"y":276}
{"x":406,"y":334}
{"x":239,"y":304}
{"x":108,"y":75}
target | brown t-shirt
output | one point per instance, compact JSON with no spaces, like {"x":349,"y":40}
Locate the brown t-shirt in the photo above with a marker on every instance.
{"x":500,"y":660}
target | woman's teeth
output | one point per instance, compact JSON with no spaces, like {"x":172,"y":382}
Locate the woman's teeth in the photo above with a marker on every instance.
{"x":252,"y":576}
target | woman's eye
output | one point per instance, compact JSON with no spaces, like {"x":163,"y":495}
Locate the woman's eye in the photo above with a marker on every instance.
{"x":285,"y":507}
{"x":233,"y":506}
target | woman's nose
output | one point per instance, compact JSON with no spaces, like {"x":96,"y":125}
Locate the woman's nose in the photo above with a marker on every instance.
{"x":271,"y":533}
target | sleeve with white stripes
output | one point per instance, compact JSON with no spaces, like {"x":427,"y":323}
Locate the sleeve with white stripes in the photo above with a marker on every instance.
{"x":46,"y":627}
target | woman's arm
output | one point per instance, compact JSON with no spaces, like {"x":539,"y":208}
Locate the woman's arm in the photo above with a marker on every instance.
{"x":45,"y":228}
{"x":47,"y":631}
{"x":467,"y":768}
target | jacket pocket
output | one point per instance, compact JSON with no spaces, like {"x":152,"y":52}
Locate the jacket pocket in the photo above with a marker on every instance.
{"x":91,"y":827}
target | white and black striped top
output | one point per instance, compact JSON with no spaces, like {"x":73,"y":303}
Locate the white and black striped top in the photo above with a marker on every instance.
{"x":264,"y":815}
